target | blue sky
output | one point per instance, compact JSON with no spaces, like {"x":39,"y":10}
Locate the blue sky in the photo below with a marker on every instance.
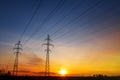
{"x":72,"y":24}
{"x":15,"y":15}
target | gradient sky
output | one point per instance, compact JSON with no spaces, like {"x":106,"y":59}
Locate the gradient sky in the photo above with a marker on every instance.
{"x":85,"y":33}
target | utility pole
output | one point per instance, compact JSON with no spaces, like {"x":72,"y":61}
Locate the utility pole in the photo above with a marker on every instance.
{"x":47,"y":63}
{"x":17,"y":52}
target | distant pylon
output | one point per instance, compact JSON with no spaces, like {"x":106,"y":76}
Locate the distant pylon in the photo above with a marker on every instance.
{"x":17,"y":52}
{"x":47,"y":63}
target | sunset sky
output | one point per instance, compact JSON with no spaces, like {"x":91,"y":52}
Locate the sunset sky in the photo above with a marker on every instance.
{"x":85,"y":34}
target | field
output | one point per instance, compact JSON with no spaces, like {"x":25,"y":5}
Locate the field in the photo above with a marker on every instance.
{"x":56,"y":78}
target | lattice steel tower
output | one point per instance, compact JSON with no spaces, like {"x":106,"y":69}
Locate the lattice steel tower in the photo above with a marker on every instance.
{"x":17,"y":52}
{"x":47,"y":63}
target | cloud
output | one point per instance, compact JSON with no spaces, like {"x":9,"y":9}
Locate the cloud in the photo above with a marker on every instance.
{"x":33,"y":59}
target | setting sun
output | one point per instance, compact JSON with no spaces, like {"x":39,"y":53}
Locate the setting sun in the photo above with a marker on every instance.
{"x":63,"y":72}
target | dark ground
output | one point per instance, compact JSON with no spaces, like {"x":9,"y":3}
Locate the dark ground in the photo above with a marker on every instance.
{"x":56,"y":78}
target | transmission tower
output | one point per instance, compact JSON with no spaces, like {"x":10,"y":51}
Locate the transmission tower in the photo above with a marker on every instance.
{"x":47,"y":64}
{"x":17,"y":52}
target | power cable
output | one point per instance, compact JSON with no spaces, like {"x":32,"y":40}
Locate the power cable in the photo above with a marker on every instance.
{"x":73,"y":20}
{"x":29,"y":22}
{"x":59,"y":5}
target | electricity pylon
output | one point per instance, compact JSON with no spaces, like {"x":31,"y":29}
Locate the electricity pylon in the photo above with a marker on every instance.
{"x":47,"y":63}
{"x":17,"y":52}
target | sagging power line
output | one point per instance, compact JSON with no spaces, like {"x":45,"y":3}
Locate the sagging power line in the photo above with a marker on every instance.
{"x":76,"y":18}
{"x":29,"y":22}
{"x":52,"y":13}
{"x":64,"y":17}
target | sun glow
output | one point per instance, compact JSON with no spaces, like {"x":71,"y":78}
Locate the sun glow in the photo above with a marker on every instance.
{"x":63,"y":72}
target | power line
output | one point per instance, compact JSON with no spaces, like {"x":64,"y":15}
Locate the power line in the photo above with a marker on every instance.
{"x":82,"y":25}
{"x":29,"y":22}
{"x":59,"y":5}
{"x":74,"y":28}
{"x":78,"y":16}
{"x":62,"y":19}
{"x":57,"y":23}
{"x":88,"y":35}
{"x":73,"y":20}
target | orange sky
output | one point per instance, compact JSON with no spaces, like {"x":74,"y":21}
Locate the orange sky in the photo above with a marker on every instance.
{"x":100,"y":56}
{"x":85,"y":34}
